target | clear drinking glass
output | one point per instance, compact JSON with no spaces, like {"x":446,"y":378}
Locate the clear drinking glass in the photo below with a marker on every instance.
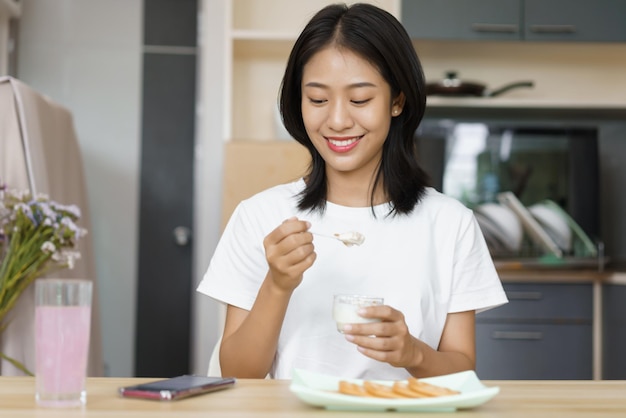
{"x":345,"y":309}
{"x":62,"y":326}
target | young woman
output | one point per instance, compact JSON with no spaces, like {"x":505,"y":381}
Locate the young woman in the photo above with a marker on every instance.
{"x":353,"y":94}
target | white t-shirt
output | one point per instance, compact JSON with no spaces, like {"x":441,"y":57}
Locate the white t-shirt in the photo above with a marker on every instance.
{"x":426,"y":265}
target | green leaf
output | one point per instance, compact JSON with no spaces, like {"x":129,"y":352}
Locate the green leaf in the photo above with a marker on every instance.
{"x":16,"y":364}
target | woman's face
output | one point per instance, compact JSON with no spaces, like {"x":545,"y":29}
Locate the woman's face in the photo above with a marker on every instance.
{"x":347,"y":109}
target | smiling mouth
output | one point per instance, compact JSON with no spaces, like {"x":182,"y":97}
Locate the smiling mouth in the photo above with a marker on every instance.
{"x":343,"y":142}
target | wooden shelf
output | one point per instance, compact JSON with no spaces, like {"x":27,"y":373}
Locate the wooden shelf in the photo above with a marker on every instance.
{"x":522,"y":103}
{"x":261,"y":35}
{"x":520,"y":108}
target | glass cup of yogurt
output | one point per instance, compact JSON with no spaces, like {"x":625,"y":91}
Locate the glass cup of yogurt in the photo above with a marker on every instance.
{"x":345,"y":309}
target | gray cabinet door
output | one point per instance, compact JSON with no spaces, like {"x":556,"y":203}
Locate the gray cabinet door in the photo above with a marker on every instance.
{"x":563,"y":302}
{"x":544,"y":332}
{"x":533,"y":351}
{"x":165,"y":279}
{"x":515,"y":20}
{"x":463,"y":19}
{"x":614,"y":331}
{"x":575,"y":20}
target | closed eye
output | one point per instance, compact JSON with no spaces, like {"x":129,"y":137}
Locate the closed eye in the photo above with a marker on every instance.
{"x":360,"y":102}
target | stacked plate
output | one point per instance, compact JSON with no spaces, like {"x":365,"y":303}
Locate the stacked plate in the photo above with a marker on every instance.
{"x":505,"y":224}
{"x":501,"y":228}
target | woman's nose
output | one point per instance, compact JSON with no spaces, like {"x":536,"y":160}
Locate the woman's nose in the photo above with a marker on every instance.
{"x":339,"y":117}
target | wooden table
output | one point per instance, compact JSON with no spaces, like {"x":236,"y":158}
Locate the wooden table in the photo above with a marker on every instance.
{"x":272,"y":398}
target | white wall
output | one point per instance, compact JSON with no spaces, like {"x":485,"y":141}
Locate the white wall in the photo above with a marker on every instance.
{"x":210,"y":131}
{"x":86,"y":55}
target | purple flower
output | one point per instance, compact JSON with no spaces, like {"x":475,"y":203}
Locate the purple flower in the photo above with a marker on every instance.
{"x":71,"y":210}
{"x":45,"y":209}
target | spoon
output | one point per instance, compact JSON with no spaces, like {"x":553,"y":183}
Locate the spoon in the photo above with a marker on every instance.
{"x":348,"y":238}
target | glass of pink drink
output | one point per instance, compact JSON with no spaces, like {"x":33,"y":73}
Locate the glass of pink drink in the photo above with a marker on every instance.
{"x":62,"y":327}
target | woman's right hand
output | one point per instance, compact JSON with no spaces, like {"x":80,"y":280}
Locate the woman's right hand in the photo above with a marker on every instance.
{"x":289,"y":252}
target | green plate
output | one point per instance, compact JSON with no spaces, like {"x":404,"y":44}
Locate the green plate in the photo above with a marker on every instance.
{"x":583,"y":245}
{"x":322,"y":391}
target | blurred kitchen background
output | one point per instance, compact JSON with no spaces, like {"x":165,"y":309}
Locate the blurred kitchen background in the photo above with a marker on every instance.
{"x":174,"y":103}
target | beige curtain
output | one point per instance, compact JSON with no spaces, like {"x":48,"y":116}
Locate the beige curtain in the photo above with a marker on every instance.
{"x":32,"y":126}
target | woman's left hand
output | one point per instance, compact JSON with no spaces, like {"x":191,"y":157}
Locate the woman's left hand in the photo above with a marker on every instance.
{"x":388,"y":341}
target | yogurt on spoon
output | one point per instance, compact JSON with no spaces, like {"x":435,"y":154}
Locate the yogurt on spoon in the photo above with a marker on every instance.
{"x":349,"y":238}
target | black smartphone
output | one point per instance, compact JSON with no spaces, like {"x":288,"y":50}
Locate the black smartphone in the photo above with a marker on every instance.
{"x":177,"y":387}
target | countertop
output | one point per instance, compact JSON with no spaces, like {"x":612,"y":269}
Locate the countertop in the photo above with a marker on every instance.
{"x":520,"y":108}
{"x":272,"y":399}
{"x":522,"y":275}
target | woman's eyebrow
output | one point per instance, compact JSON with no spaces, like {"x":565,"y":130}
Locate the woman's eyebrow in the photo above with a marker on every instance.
{"x":350,"y":86}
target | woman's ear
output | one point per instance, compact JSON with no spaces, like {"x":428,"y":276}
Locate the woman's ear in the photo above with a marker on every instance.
{"x":398,"y":104}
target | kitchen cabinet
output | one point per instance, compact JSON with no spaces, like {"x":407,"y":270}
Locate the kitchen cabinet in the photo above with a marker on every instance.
{"x":516,"y":20}
{"x":614,"y":332}
{"x":544,"y":332}
{"x":462,"y":19}
{"x":575,"y":20}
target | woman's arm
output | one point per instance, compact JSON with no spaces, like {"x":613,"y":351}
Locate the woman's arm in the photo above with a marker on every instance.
{"x":394,"y":345}
{"x":456,"y":351}
{"x":251,"y":337}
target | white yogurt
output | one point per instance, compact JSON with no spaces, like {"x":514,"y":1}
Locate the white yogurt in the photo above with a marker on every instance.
{"x":351,"y":238}
{"x":345,"y":309}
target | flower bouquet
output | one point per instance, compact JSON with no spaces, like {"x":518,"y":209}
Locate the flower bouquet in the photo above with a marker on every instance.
{"x":37,"y":236}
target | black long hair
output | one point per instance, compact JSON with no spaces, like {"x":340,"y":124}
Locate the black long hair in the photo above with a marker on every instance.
{"x":378,"y":37}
